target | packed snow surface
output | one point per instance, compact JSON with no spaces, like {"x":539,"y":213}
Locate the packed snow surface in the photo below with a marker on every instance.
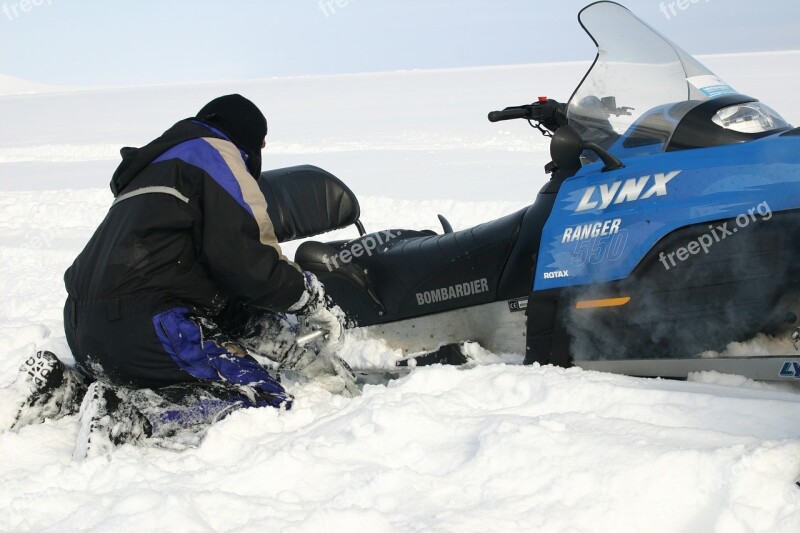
{"x":499,"y":447}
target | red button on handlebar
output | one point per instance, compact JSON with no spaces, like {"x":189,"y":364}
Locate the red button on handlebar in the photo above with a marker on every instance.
{"x":542,"y":99}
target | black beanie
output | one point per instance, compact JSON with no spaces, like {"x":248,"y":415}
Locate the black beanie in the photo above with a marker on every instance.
{"x":238,"y":118}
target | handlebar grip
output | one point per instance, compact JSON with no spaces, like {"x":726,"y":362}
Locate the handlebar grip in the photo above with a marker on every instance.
{"x":510,"y":113}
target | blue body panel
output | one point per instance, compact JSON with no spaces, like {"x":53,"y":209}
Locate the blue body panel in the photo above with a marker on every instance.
{"x":604,"y":223}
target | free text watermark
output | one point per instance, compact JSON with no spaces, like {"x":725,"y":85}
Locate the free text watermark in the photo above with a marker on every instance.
{"x":366,"y":246}
{"x":330,"y":7}
{"x":673,"y":9}
{"x":717,"y":234}
{"x":14,"y":10}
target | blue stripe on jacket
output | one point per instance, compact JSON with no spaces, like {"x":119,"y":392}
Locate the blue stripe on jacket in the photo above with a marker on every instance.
{"x":199,"y":153}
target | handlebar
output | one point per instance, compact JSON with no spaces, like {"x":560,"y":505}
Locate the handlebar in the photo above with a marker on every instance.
{"x":510,"y":113}
{"x":551,"y":114}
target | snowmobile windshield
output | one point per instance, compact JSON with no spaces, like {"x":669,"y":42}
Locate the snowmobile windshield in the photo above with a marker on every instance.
{"x":640,"y":85}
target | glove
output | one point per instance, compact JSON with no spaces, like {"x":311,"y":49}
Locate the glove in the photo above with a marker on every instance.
{"x":324,"y":319}
{"x":316,"y":315}
{"x":327,"y":369}
{"x":289,"y":354}
{"x":332,"y":374}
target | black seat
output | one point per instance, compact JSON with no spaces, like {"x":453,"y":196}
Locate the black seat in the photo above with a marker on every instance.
{"x":305,"y":200}
{"x":415,"y":273}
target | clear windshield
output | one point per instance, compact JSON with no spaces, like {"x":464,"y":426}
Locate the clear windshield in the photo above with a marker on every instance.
{"x":639,"y":78}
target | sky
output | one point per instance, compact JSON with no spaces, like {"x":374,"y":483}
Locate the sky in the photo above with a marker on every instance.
{"x":145,"y":42}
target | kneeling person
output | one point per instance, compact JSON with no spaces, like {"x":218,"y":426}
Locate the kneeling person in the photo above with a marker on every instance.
{"x":187,"y":238}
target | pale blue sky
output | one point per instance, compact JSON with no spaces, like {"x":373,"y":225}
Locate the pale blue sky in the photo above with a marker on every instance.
{"x":125,"y":42}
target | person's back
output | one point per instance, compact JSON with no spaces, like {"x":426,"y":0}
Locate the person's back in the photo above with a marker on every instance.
{"x":145,"y":247}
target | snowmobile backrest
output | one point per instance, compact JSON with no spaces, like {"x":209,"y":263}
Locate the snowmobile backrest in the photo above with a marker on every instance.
{"x":305,"y":200}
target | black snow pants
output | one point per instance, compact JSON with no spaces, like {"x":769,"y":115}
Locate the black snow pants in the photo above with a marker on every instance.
{"x":140,"y":343}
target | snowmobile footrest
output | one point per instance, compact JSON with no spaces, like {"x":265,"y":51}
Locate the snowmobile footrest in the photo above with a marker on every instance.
{"x":449,"y":354}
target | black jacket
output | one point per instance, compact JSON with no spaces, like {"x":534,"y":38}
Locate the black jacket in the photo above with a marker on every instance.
{"x":189,"y":226}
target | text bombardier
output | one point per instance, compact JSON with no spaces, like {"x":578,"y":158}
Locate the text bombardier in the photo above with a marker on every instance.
{"x":453,"y":291}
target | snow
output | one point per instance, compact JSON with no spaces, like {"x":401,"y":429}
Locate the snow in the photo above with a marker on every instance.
{"x":491,"y":448}
{"x":11,"y":85}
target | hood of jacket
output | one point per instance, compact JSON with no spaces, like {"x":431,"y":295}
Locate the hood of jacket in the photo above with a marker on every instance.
{"x":134,"y":160}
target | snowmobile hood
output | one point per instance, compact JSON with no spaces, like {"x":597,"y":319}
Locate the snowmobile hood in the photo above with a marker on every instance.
{"x":134,"y":160}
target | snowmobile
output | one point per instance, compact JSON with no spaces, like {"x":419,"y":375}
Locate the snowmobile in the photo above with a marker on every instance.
{"x":667,"y":230}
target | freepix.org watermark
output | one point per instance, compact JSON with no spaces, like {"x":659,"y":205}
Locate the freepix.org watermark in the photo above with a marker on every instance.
{"x":367,"y":245}
{"x":718,"y":233}
{"x":672,"y":9}
{"x":40,"y":240}
{"x":329,"y":7}
{"x":14,"y":10}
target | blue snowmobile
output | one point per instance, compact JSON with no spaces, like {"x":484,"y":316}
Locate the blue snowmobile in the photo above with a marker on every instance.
{"x":667,"y":229}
